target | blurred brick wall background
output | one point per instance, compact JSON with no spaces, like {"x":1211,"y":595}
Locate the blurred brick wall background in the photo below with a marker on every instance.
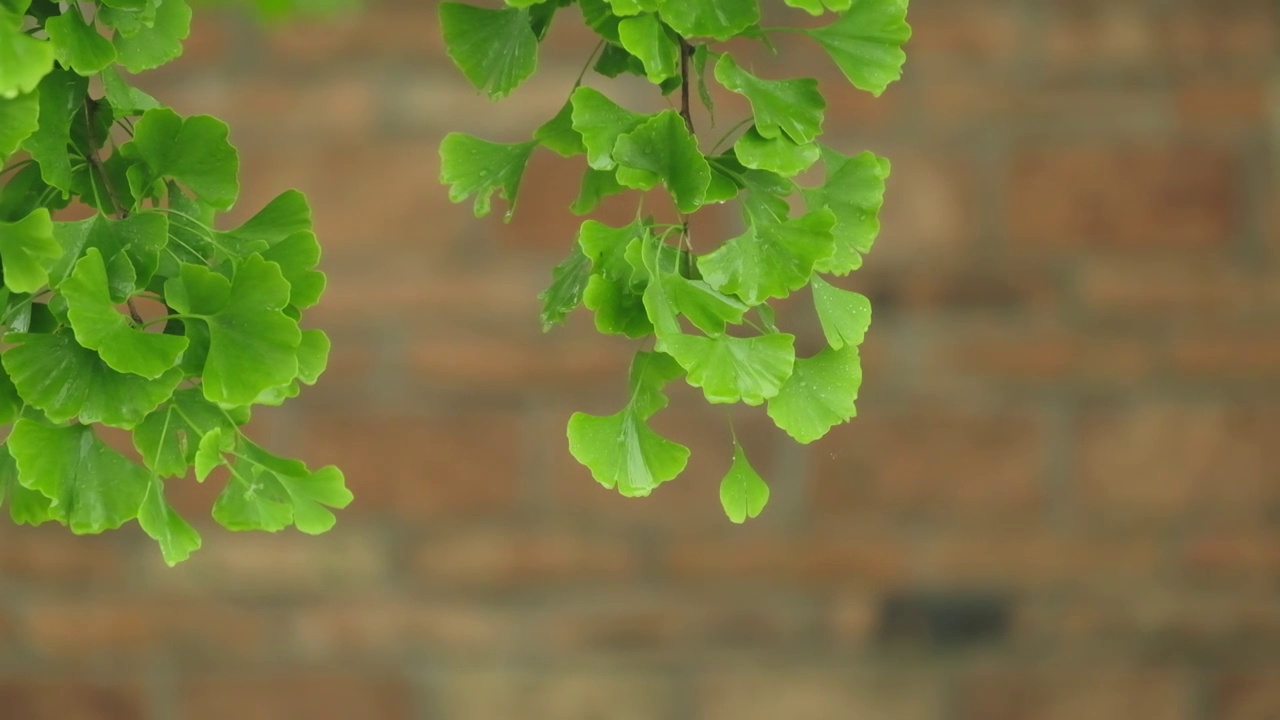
{"x":1061,"y":499}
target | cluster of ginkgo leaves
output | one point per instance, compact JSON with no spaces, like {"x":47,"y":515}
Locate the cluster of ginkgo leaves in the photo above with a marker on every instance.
{"x":140,"y":314}
{"x":707,"y":315}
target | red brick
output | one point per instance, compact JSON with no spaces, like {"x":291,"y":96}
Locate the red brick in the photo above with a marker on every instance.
{"x":854,"y":557}
{"x":1244,"y":354}
{"x":133,"y":629}
{"x":931,"y":208}
{"x":555,"y":695}
{"x":295,"y":696}
{"x":1249,"y":696}
{"x":393,"y":627}
{"x":936,"y":463}
{"x":1038,"y":559}
{"x":661,"y":625}
{"x":1161,"y":461}
{"x":1121,"y":197}
{"x":69,"y":697}
{"x":351,"y":556}
{"x":1167,"y":620}
{"x":1147,"y":290}
{"x":817,"y":694}
{"x":414,"y":466}
{"x":405,"y":32}
{"x":1213,"y":105}
{"x":1096,"y":34}
{"x":1041,"y":354}
{"x":506,"y":558}
{"x":1233,"y":556}
{"x":984,"y":33}
{"x":1068,"y":693}
{"x":50,"y":557}
{"x":853,"y":618}
{"x":1241,"y":34}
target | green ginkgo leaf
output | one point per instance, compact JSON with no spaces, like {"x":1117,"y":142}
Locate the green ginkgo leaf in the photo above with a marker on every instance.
{"x":618,"y":307}
{"x":645,"y":37}
{"x":26,"y":506}
{"x":55,"y":374}
{"x":780,"y":155}
{"x":845,"y":315}
{"x":732,"y":369}
{"x":176,"y":537}
{"x":253,"y":499}
{"x":770,"y":261}
{"x":621,"y":450}
{"x":28,"y":251}
{"x":478,"y":167}
{"x":743,"y":493}
{"x":791,"y":107}
{"x":854,"y":191}
{"x":297,"y":255}
{"x":77,"y":44}
{"x":168,"y":438}
{"x":600,"y":121}
{"x":719,"y":19}
{"x":568,"y":282}
{"x":252,"y":344}
{"x":558,"y":135}
{"x":269,"y":493}
{"x":663,"y":150}
{"x":151,"y":46}
{"x":819,"y":395}
{"x":815,"y":7}
{"x":61,"y":95}
{"x":24,"y":59}
{"x":624,"y":8}
{"x":98,"y":326}
{"x":495,"y":49}
{"x":866,"y":43}
{"x":285,"y":216}
{"x":193,"y":151}
{"x":130,"y":248}
{"x":92,"y":487}
{"x":19,"y":117}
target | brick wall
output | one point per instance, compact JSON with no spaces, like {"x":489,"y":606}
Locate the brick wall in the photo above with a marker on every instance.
{"x":1061,"y":499}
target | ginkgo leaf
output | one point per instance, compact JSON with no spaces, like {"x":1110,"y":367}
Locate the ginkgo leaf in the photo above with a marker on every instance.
{"x":770,"y":260}
{"x":623,"y":452}
{"x":285,"y":216}
{"x":126,"y":99}
{"x":495,"y":49}
{"x":24,"y":60}
{"x":193,"y":151}
{"x":815,"y":7}
{"x":743,"y":493}
{"x":151,"y":46}
{"x":10,"y":402}
{"x":663,"y":150}
{"x":624,"y":8}
{"x":297,"y":255}
{"x":854,"y":191}
{"x":313,"y":356}
{"x":128,"y":17}
{"x":168,"y":438}
{"x":619,"y":309}
{"x":28,"y":251}
{"x":732,"y":369}
{"x":208,"y":454}
{"x":558,"y":135}
{"x":66,"y":381}
{"x":19,"y":117}
{"x":708,"y":309}
{"x":719,"y":19}
{"x":781,"y":154}
{"x":92,"y":487}
{"x":176,"y":537}
{"x":645,"y":37}
{"x":132,"y":244}
{"x":268,"y":492}
{"x":26,"y":506}
{"x":596,"y":186}
{"x":252,"y":343}
{"x":845,"y":315}
{"x":819,"y":395}
{"x":606,"y":247}
{"x":77,"y":44}
{"x":866,"y":43}
{"x":61,"y":96}
{"x":568,"y":281}
{"x":600,"y":121}
{"x":98,"y":326}
{"x":791,"y":107}
{"x":478,"y":167}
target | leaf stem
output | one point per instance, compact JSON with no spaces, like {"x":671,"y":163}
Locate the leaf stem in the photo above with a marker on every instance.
{"x":587,"y":65}
{"x":686,"y":53}
{"x":724,"y":137}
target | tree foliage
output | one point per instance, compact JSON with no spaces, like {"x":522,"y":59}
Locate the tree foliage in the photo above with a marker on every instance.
{"x":148,"y":315}
{"x":705,"y":316}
